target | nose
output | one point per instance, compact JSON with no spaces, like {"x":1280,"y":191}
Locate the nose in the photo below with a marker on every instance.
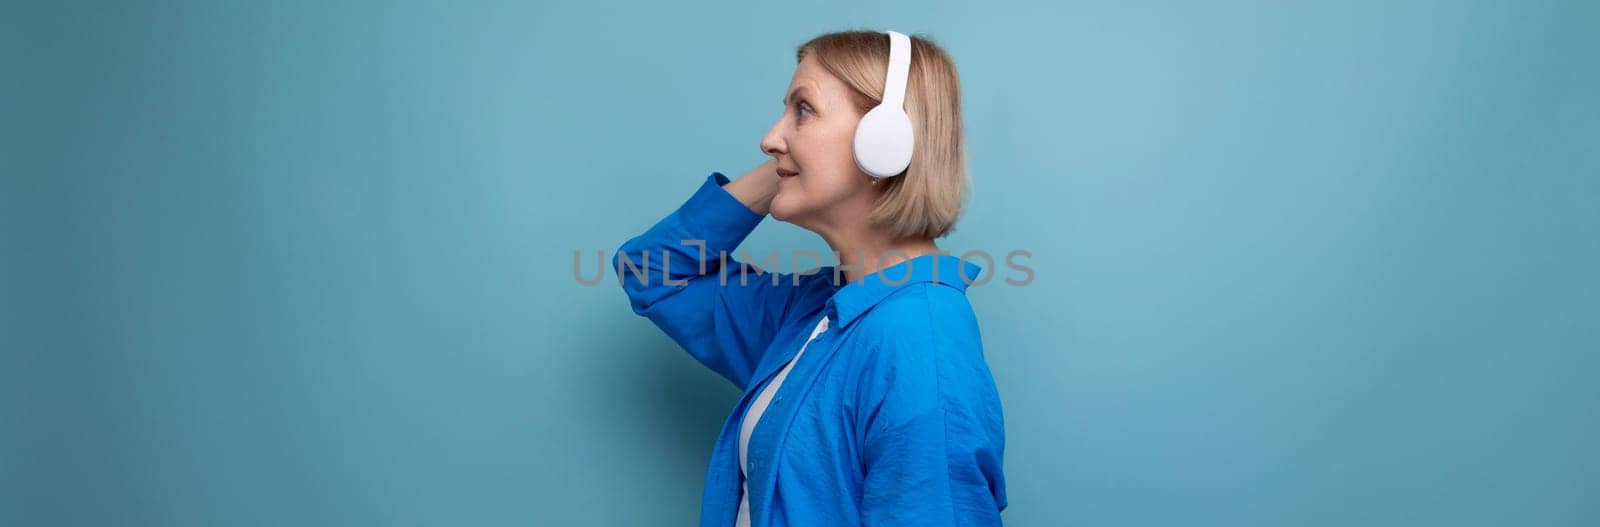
{"x":773,"y":144}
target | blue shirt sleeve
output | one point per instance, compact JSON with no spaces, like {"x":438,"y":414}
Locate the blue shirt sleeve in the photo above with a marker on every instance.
{"x":931,"y":425}
{"x":682,"y":274}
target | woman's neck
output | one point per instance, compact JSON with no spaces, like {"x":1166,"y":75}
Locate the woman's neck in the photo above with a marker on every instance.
{"x":864,"y":252}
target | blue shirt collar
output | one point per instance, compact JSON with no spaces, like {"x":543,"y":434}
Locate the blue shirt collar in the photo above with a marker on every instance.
{"x":855,"y":298}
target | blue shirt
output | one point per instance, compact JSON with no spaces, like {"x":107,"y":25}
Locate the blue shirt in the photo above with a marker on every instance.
{"x":890,"y":418}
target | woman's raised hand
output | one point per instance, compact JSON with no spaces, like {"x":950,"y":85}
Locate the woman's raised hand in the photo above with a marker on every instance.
{"x":756,"y":188}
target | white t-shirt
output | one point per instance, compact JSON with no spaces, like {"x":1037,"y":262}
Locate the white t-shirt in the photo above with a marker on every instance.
{"x":752,"y":416}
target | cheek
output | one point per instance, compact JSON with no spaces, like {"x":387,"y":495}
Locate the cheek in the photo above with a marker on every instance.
{"x":828,"y":149}
{"x":819,"y":186}
{"x":825,"y":155}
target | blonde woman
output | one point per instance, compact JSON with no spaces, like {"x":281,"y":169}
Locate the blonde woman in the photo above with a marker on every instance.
{"x":867,"y":399}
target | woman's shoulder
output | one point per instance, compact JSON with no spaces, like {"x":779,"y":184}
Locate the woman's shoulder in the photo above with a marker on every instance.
{"x":923,"y":342}
{"x":921,"y":322}
{"x":925,"y":308}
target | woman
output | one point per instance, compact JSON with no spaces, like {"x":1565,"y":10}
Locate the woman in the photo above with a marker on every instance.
{"x":867,"y":400}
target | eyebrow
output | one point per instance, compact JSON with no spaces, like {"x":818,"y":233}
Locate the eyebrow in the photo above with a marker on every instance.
{"x":794,"y":94}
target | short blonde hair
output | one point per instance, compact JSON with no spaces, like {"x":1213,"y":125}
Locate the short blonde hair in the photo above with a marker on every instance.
{"x":927,"y":199}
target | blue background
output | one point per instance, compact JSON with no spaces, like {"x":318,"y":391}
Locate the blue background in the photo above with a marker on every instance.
{"x":293,"y":263}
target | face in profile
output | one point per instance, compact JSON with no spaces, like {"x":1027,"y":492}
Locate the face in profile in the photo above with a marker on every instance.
{"x":813,"y":145}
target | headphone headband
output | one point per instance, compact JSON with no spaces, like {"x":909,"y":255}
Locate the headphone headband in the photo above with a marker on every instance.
{"x":894,"y":85}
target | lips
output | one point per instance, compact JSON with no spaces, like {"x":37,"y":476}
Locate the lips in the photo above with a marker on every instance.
{"x":784,"y":172}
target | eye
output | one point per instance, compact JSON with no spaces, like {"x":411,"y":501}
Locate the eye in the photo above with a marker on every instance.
{"x":803,"y":108}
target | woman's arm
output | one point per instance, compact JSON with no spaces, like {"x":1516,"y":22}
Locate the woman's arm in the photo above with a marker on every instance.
{"x":683,"y":276}
{"x":756,"y":188}
{"x":931,"y":426}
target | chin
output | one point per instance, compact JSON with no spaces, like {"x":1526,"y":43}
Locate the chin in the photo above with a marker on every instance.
{"x":780,"y":213}
{"x":783,"y":211}
{"x":779,"y":208}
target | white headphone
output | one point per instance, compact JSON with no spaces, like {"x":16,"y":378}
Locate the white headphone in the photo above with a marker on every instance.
{"x":883,"y":137}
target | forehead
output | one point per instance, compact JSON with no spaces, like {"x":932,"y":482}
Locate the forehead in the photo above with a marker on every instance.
{"x":810,"y":78}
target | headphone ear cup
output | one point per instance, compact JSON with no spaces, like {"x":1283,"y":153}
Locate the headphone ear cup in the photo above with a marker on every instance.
{"x":884,"y":142}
